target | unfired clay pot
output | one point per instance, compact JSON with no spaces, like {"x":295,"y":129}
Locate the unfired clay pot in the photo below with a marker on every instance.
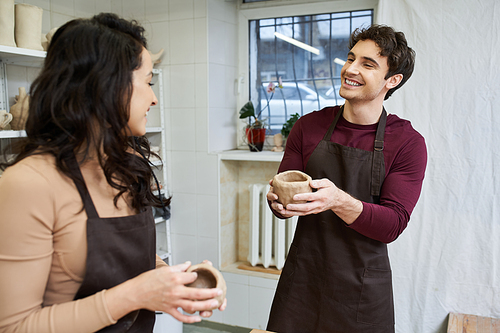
{"x":287,"y":184}
{"x":208,"y":277}
{"x":278,"y":142}
{"x":5,"y":119}
{"x":19,"y":110}
{"x":28,"y":26}
{"x":155,"y":58}
{"x":47,"y":38}
{"x":7,"y":23}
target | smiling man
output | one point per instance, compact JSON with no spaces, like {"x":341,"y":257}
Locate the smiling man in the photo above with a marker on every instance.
{"x":367,"y":169}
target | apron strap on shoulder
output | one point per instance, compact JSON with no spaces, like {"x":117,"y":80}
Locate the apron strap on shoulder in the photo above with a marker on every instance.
{"x":329,"y":133}
{"x":378,"y":168}
{"x":88,"y":204}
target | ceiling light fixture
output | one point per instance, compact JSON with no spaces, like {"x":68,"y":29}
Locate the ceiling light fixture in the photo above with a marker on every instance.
{"x":297,"y":43}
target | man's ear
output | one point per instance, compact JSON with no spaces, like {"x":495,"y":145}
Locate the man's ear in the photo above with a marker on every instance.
{"x":393,"y":81}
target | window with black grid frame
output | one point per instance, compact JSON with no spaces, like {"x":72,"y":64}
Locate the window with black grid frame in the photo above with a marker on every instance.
{"x":307,"y":53}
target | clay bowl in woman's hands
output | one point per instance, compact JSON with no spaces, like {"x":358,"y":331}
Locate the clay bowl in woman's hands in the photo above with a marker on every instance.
{"x":287,"y":184}
{"x":208,"y":277}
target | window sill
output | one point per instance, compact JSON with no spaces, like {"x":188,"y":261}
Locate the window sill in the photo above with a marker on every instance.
{"x":247,"y":155}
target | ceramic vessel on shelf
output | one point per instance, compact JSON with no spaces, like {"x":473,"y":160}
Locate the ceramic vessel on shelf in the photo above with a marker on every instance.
{"x":5,"y":119}
{"x":278,"y":142}
{"x":19,"y":110}
{"x":28,"y":26}
{"x":7,"y":23}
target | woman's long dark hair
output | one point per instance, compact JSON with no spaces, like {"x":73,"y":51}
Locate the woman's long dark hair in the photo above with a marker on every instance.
{"x":80,"y":103}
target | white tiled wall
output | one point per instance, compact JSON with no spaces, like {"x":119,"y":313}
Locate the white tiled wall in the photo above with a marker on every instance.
{"x":199,"y":63}
{"x":222,"y":58}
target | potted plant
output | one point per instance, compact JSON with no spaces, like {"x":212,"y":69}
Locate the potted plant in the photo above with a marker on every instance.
{"x":255,"y":131}
{"x":287,"y":126}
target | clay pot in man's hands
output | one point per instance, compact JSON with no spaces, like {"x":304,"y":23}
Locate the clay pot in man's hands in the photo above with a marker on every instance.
{"x":287,"y":184}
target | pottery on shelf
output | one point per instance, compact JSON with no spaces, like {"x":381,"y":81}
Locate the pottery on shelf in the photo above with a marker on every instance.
{"x":50,"y":34}
{"x":287,"y":184}
{"x":7,"y":23}
{"x":208,"y":277}
{"x":47,"y":38}
{"x":19,"y":111}
{"x":5,"y":119}
{"x":278,"y":142}
{"x":28,"y":26}
{"x":44,"y":42}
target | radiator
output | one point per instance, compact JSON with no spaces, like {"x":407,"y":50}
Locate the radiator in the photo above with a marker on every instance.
{"x":269,"y":237}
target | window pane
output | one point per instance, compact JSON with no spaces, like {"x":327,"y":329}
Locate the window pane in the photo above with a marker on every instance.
{"x":265,"y":22}
{"x":362,"y":12}
{"x":362,"y":21}
{"x":284,"y":20}
{"x":341,"y":15}
{"x":310,"y":81}
{"x":322,"y":17}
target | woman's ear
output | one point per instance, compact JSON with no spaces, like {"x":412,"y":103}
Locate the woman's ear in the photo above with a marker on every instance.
{"x":394,"y":80}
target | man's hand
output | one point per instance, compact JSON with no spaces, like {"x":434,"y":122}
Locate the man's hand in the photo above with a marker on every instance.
{"x":326,"y":197}
{"x":275,"y":205}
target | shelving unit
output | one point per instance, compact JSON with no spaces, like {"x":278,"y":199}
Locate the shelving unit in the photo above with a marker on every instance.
{"x":155,"y":133}
{"x":20,"y":57}
{"x":156,"y":136}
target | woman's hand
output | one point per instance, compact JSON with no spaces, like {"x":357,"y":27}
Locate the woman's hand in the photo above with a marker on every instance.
{"x":162,"y":289}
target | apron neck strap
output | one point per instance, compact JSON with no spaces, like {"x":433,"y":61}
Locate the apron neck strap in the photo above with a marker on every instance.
{"x":329,"y":133}
{"x":378,"y":156}
{"x":379,"y":136}
{"x":88,"y":204}
{"x":378,"y":148}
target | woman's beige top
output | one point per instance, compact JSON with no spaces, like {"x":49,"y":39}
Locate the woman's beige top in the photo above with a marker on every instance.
{"x":43,"y":248}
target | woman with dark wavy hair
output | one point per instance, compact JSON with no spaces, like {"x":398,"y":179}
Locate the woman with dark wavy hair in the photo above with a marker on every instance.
{"x":72,"y":267}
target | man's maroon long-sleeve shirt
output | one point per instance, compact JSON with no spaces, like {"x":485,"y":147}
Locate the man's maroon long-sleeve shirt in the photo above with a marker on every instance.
{"x":405,"y":158}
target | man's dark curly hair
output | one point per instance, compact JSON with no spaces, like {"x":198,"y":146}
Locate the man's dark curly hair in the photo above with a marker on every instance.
{"x":393,"y":45}
{"x":80,"y":103}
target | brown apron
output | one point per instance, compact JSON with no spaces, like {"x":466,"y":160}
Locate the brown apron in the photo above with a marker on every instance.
{"x":335,"y":279}
{"x":118,"y":249}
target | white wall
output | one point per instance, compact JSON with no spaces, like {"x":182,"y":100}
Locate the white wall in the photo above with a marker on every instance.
{"x":222,"y":57}
{"x":192,"y":171}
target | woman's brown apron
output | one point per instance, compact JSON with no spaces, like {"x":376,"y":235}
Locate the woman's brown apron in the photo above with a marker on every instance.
{"x":118,"y":249}
{"x":335,"y":279}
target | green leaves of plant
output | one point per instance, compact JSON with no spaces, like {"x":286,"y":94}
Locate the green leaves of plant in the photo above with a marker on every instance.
{"x":247,"y":110}
{"x":287,"y":127}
